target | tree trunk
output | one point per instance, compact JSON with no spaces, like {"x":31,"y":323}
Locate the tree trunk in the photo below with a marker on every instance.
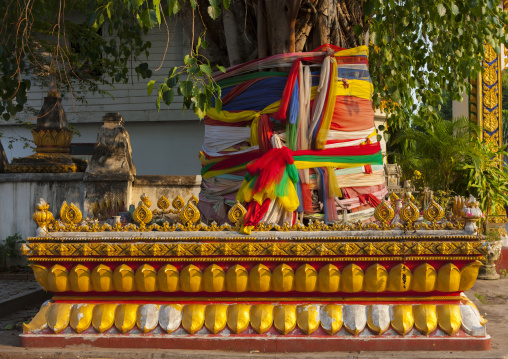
{"x":269,"y":27}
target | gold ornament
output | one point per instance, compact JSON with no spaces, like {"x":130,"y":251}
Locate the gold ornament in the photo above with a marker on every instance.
{"x":163,"y":203}
{"x":178,"y":204}
{"x":142,"y":214}
{"x":409,"y":213}
{"x":42,"y":216}
{"x":434,"y":212}
{"x":189,"y":214}
{"x":70,"y":214}
{"x":384,"y":213}
{"x":237,"y":213}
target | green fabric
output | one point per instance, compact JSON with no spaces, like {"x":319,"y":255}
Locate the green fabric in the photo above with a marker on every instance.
{"x":376,"y":159}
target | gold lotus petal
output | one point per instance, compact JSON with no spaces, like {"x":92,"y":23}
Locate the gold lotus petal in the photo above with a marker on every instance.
{"x":376,"y":278}
{"x":449,"y":318}
{"x":448,"y":278}
{"x":261,"y":317}
{"x":125,"y":317}
{"x":238,"y":317}
{"x":193,"y":317}
{"x":237,"y":279}
{"x":468,"y":275}
{"x":58,"y":316}
{"x":329,"y":279}
{"x":124,"y":278}
{"x":191,"y":279}
{"x":170,"y":317}
{"x":41,"y":275}
{"x":378,"y":318}
{"x":331,"y":318}
{"x":102,"y":278}
{"x":103,"y":317}
{"x":147,"y":317}
{"x":146,"y":278}
{"x":284,"y":318}
{"x":283,"y":278}
{"x":352,"y":279}
{"x":58,"y":278}
{"x":307,"y":318}
{"x":80,"y":279}
{"x":425,"y":318}
{"x":214,"y":279}
{"x":306,"y":278}
{"x":38,"y":322}
{"x":216,"y":317}
{"x":424,"y":278}
{"x":168,"y":278}
{"x":81,"y":317}
{"x":399,"y":278}
{"x":402,"y":319}
{"x":260,"y":278}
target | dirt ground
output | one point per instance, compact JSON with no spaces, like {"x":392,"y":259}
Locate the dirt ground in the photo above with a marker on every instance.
{"x":491,"y":297}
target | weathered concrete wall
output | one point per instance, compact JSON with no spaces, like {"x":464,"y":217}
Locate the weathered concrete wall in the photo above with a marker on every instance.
{"x":19,"y":194}
{"x":170,"y":186}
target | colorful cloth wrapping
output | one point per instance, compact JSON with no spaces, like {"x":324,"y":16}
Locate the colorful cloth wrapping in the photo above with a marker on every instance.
{"x":327,"y":137}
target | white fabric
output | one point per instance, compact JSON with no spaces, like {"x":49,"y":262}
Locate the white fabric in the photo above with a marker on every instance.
{"x":218,"y":138}
{"x":219,"y":154}
{"x":350,"y":135}
{"x":350,"y":143}
{"x":319,"y":101}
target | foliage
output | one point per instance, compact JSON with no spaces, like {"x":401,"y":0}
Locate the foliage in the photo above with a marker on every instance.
{"x":10,"y":248}
{"x":417,"y":47}
{"x":450,"y":156}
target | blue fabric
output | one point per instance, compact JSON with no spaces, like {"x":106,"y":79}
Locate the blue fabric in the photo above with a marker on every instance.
{"x":294,"y":104}
{"x":300,"y":196}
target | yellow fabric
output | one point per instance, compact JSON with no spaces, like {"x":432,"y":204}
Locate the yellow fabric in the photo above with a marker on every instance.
{"x":322,"y":135}
{"x":254,"y":141}
{"x":355,"y":51}
{"x":309,"y":164}
{"x":224,"y":171}
{"x":231,"y":117}
{"x":289,"y":202}
{"x":246,"y":229}
{"x":333,"y":183}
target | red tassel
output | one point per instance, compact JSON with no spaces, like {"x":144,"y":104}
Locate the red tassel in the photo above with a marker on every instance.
{"x":368,"y":169}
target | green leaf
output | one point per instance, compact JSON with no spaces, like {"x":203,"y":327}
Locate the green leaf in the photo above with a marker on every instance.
{"x":218,"y":105}
{"x":226,"y":3}
{"x":149,"y":87}
{"x":221,"y":68}
{"x":358,"y":29}
{"x":173,"y":81}
{"x":205,"y":69}
{"x":167,"y":96}
{"x":441,"y":10}
{"x":214,"y":12}
{"x":173,"y":7}
{"x":473,"y":3}
{"x":368,"y":7}
{"x":193,"y":4}
{"x":186,"y":88}
{"x":455,"y":9}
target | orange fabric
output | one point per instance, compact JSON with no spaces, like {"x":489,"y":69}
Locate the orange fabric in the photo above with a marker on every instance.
{"x":352,"y":114}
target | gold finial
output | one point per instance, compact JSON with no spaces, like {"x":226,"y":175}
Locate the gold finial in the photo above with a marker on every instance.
{"x":237,"y":213}
{"x":384,"y":213}
{"x":42,"y":216}
{"x":178,"y":204}
{"x":142,"y":214}
{"x":163,"y":203}
{"x":434,"y":212}
{"x":189,"y":214}
{"x":393,"y":197}
{"x":70,"y":214}
{"x":194,"y":200}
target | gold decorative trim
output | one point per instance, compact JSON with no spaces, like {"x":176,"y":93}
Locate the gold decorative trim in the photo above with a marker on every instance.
{"x":258,"y":239}
{"x":254,"y":259}
{"x":258,"y":299}
{"x":253,"y":249}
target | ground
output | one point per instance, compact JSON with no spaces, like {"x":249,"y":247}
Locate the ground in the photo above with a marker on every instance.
{"x":491,"y":297}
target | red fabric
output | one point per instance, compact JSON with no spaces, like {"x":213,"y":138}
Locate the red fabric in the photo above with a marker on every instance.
{"x":373,"y":200}
{"x":235,"y":160}
{"x":352,"y":114}
{"x":270,"y":167}
{"x":307,"y":198}
{"x":358,"y":150}
{"x":255,"y":212}
{"x":331,"y":208}
{"x":265,"y":132}
{"x":288,"y":90}
{"x":368,"y":169}
{"x":352,"y":192}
